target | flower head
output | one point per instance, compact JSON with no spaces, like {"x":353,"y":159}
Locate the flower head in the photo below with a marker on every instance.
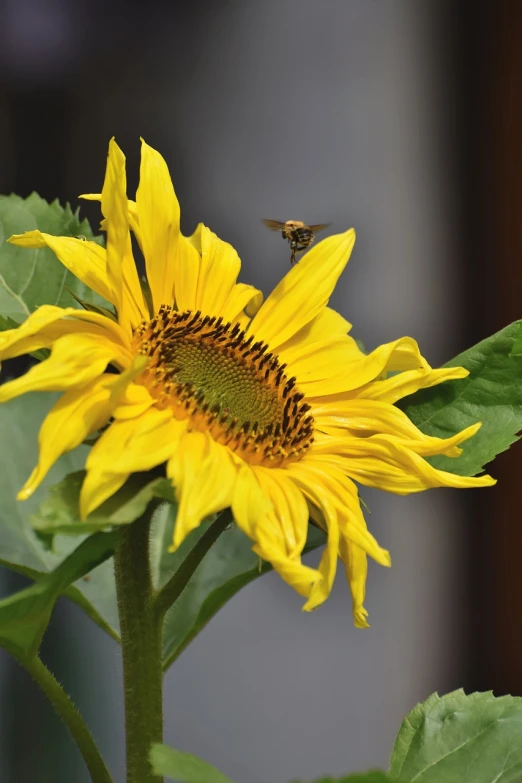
{"x":269,"y":408}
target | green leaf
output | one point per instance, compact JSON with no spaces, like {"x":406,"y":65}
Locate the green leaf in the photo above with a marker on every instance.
{"x":492,"y":394}
{"x":457,"y":738}
{"x":360,"y":777}
{"x":229,"y":566}
{"x":184,"y":767}
{"x":25,"y":615}
{"x":21,"y":550}
{"x":30,"y":277}
{"x":59,"y":511}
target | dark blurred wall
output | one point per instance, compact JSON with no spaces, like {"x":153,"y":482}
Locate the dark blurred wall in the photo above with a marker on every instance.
{"x":356,"y":112}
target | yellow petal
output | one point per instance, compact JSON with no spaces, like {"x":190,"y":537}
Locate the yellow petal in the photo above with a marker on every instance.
{"x":242,"y":298}
{"x":134,"y":304}
{"x":114,"y":208}
{"x":328,"y":325}
{"x":249,"y":503}
{"x":204,"y":477}
{"x":187,"y":274}
{"x":399,"y":386}
{"x":77,"y":414}
{"x":254,"y":514}
{"x":86,"y":260}
{"x":98,"y":486}
{"x":304,"y":291}
{"x":328,"y":565}
{"x":381,"y":462}
{"x":132,"y":214}
{"x":159,"y":214}
{"x":75,"y":360}
{"x":371,"y":417}
{"x":218,"y":271}
{"x":126,"y":447}
{"x":134,"y":301}
{"x":338,"y":366}
{"x":289,"y":505}
{"x":48,"y":323}
{"x":135,"y":401}
{"x":321,"y":477}
{"x":356,"y":567}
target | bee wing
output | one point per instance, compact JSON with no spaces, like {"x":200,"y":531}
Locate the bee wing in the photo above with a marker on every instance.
{"x":319,"y":227}
{"x":274,"y":225}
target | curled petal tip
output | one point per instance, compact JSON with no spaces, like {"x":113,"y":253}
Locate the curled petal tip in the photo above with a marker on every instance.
{"x":25,"y":493}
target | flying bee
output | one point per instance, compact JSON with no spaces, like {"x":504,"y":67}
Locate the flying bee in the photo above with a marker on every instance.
{"x":299,"y":234}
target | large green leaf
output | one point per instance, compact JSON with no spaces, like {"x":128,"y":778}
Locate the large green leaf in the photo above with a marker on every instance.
{"x":360,"y":777}
{"x":184,"y":767}
{"x":455,"y":738}
{"x":492,"y":394}
{"x":32,"y":277}
{"x":24,"y":616}
{"x":21,"y":549}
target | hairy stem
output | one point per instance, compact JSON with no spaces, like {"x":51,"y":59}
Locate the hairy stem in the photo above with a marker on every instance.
{"x":68,"y":712}
{"x":141,"y":632}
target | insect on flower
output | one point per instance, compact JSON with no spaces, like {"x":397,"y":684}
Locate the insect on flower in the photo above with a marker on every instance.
{"x":299,"y":234}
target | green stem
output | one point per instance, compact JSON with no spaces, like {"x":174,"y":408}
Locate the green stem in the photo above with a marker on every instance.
{"x":172,"y":589}
{"x":141,"y":641}
{"x":68,"y":712}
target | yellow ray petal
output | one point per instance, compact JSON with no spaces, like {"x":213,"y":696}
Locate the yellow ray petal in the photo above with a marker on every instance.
{"x":135,"y":401}
{"x":97,"y":487}
{"x":134,"y":301}
{"x":242,"y":298}
{"x":254,"y":514}
{"x":126,"y":447}
{"x":218,"y":270}
{"x":361,"y":417}
{"x":289,"y":505}
{"x":86,"y":260}
{"x":328,"y":564}
{"x":159,"y":214}
{"x":328,"y":325}
{"x":315,"y":475}
{"x":399,"y":386}
{"x":337,"y":366}
{"x":74,"y":361}
{"x":77,"y":414}
{"x":204,"y":477}
{"x":356,"y":567}
{"x":186,"y":275}
{"x":355,"y":557}
{"x":381,"y":462}
{"x":304,"y":291}
{"x":249,"y":503}
{"x":132,"y":214}
{"x":114,"y":208}
{"x":43,"y":327}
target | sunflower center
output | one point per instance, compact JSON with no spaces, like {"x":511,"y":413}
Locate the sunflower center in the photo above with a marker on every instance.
{"x":226,"y":383}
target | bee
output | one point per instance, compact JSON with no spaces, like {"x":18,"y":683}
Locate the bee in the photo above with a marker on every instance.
{"x":299,"y":234}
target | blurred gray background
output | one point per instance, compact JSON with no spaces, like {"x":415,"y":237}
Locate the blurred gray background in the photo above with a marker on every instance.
{"x":341,"y":111}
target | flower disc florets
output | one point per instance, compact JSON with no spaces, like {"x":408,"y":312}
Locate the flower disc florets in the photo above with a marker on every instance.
{"x":226,"y":383}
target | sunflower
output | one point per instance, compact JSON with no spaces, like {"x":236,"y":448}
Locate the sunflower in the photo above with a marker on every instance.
{"x":268,"y":408}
